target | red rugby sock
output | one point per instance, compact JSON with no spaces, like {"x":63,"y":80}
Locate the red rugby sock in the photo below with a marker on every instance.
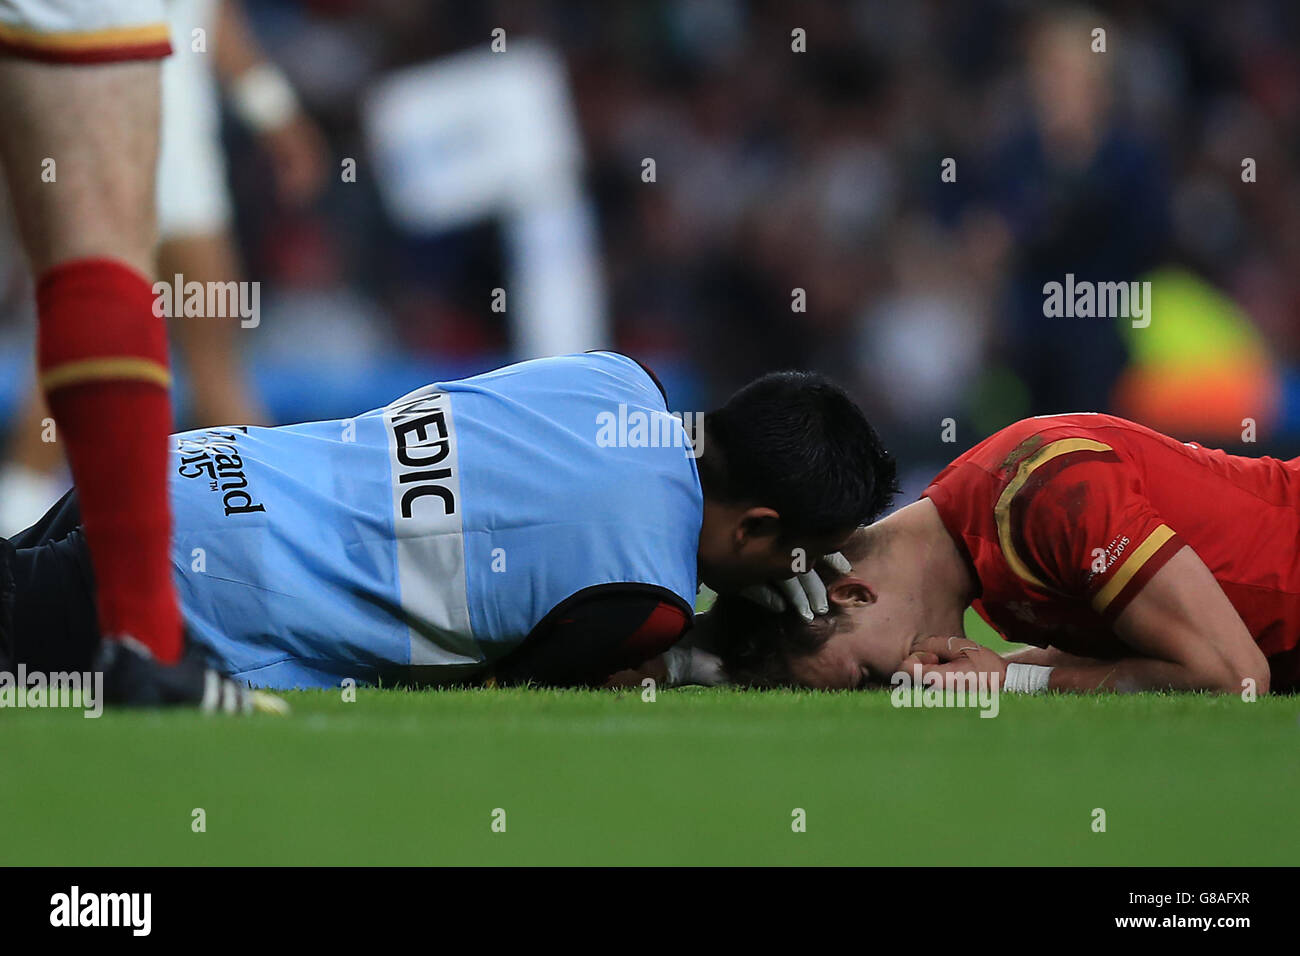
{"x":102,"y":355}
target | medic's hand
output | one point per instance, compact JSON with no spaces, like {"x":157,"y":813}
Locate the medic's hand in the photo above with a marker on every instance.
{"x":804,"y":592}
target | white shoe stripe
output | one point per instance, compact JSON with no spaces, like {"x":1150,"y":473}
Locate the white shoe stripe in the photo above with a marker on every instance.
{"x":211,"y":691}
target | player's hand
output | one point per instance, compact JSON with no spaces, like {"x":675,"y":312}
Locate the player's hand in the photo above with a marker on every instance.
{"x":954,"y":655}
{"x":298,"y":159}
{"x":805,"y":593}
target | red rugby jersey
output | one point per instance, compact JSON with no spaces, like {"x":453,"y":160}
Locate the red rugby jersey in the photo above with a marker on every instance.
{"x":1064,"y":518}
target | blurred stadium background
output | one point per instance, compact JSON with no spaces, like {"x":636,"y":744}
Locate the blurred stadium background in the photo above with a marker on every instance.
{"x":777,"y":171}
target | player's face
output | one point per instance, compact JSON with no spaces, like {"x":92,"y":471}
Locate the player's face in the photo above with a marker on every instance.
{"x":858,"y":655}
{"x":835,"y":666}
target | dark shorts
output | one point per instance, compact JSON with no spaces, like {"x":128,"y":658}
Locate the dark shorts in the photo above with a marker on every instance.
{"x":47,"y":594}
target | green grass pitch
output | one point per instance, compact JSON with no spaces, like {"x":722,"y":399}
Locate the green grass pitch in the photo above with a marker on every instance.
{"x":696,"y":777}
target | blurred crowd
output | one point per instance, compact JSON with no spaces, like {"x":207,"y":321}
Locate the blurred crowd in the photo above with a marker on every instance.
{"x":780,"y":172}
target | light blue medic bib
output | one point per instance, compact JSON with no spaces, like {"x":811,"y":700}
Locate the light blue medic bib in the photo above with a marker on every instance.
{"x":426,"y":539}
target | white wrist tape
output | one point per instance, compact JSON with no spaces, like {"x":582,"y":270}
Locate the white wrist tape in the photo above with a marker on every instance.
{"x":263,"y":98}
{"x":1026,"y":678}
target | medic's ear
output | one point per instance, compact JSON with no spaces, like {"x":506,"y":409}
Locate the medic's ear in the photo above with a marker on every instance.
{"x":757,"y":523}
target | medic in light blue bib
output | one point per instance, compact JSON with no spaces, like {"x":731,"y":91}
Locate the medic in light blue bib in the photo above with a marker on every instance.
{"x":426,"y":539}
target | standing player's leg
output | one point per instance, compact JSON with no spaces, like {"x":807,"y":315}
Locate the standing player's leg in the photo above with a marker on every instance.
{"x":31,"y":466}
{"x":79,"y":149}
{"x":194,"y":216}
{"x":220,"y":391}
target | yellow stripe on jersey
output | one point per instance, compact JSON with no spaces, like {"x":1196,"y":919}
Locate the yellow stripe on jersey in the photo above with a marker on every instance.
{"x":96,"y":370}
{"x":1002,"y":510}
{"x":1141,"y":554}
{"x":69,"y":41}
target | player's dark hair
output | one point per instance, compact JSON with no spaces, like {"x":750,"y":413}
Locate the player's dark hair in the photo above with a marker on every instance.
{"x":795,"y":442}
{"x":757,"y":646}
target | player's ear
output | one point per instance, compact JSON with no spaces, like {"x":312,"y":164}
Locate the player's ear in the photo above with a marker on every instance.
{"x":758,"y":526}
{"x":851,"y":591}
